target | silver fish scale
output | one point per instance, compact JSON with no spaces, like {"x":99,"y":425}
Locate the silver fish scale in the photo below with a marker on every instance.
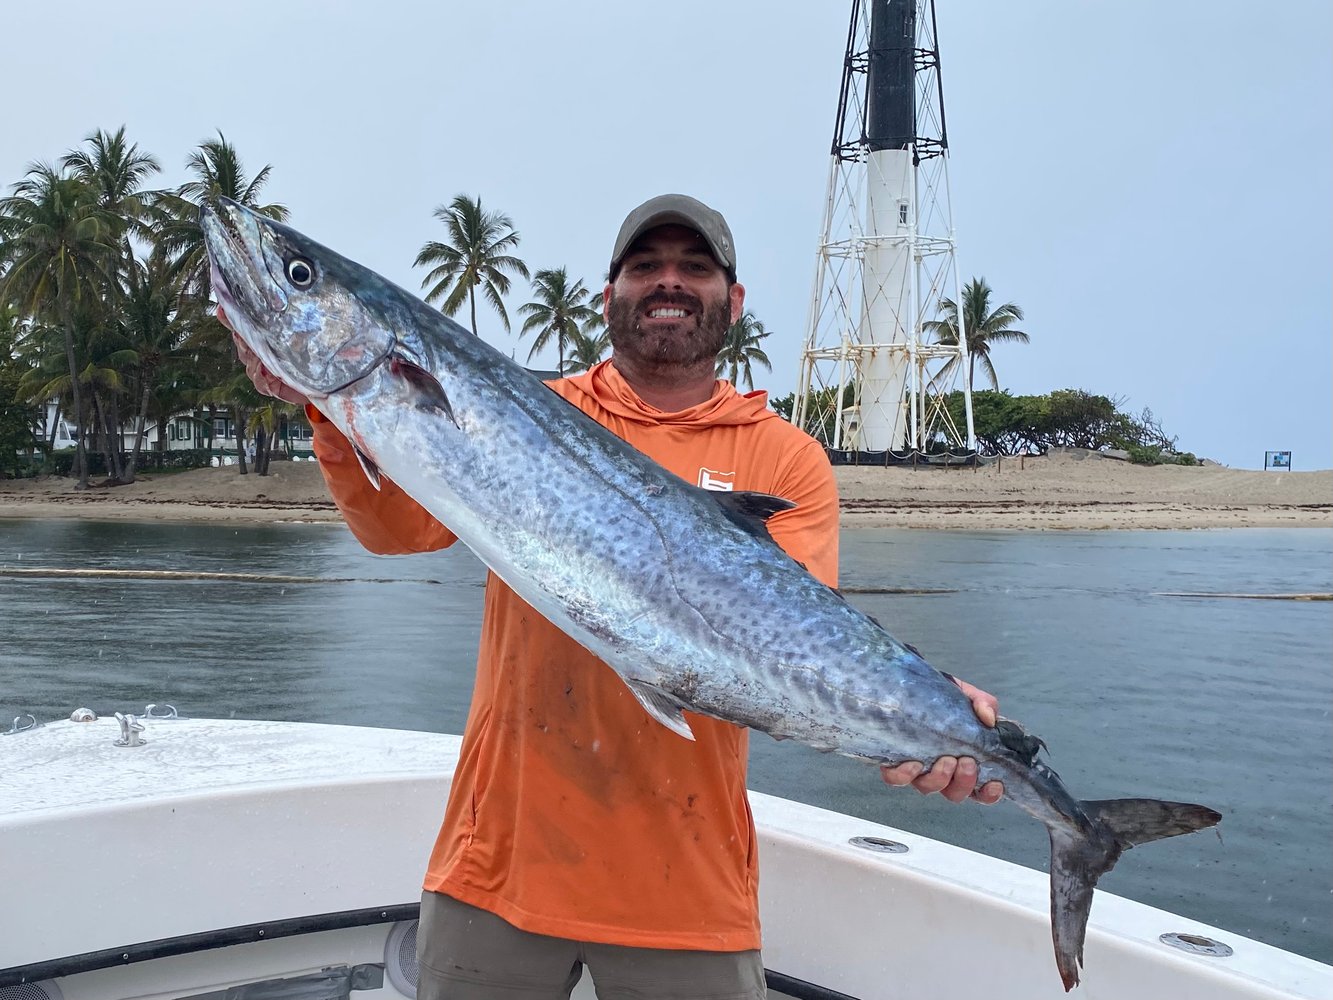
{"x":607,"y":546}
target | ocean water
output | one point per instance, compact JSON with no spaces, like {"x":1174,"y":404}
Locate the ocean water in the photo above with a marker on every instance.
{"x":1219,"y":701}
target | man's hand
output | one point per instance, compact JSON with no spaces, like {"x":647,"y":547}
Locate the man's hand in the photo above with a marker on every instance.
{"x":265,"y":381}
{"x":953,"y":777}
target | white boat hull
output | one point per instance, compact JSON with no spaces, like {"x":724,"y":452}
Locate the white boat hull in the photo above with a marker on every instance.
{"x":226,"y":831}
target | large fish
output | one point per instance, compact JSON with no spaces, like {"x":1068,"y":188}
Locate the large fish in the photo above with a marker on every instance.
{"x":680,"y":590}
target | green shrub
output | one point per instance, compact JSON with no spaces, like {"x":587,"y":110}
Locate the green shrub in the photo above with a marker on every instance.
{"x":1152,"y":454}
{"x":61,"y":462}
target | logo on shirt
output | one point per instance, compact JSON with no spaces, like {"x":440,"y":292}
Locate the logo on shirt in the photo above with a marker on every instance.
{"x":712,"y":479}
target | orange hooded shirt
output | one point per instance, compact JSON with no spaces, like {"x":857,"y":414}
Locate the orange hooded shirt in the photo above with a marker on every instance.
{"x":572,"y":812}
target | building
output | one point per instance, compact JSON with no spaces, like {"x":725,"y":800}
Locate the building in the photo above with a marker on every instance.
{"x":186,"y":431}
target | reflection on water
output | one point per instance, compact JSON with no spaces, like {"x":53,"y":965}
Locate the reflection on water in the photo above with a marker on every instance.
{"x":1221,"y":702}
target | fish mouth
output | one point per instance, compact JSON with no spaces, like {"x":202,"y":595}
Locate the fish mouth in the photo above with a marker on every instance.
{"x":237,"y":267}
{"x":226,"y":301}
{"x":289,"y":330}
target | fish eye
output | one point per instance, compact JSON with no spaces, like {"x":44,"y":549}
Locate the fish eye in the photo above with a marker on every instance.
{"x":300,"y":272}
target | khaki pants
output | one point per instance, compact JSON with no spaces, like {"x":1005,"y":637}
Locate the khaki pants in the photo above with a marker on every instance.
{"x":466,"y":953}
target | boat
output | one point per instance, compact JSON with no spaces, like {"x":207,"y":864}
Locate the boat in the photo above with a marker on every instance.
{"x":151,"y":855}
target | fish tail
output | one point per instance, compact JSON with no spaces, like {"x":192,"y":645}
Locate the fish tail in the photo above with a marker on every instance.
{"x":1081,"y":854}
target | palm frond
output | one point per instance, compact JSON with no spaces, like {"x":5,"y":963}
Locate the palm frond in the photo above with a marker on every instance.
{"x":983,"y":326}
{"x":476,"y":253}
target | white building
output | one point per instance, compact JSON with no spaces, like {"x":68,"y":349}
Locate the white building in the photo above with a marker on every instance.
{"x":185,"y":431}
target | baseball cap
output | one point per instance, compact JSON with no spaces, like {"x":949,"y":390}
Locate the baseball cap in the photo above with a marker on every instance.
{"x":677,"y":210}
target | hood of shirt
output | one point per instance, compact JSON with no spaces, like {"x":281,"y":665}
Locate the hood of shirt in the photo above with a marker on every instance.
{"x":608,"y":387}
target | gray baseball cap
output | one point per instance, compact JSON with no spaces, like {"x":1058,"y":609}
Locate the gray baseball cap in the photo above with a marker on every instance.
{"x":677,"y":210}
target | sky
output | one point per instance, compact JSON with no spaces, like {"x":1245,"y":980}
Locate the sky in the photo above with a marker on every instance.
{"x":1152,"y":182}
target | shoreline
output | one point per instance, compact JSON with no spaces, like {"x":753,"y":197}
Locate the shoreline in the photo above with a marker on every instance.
{"x":1071,"y":491}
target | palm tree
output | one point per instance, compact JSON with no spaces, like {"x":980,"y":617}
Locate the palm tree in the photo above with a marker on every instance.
{"x":984,"y":326}
{"x":586,"y":349}
{"x":559,"y":311}
{"x":266,"y":417}
{"x":19,"y":420}
{"x":116,"y":171}
{"x":41,"y":353}
{"x":106,"y":359}
{"x":477,"y":254}
{"x":218,"y":171}
{"x":62,"y":250}
{"x":741,"y":350}
{"x":155,"y":326}
{"x":594,"y":302}
{"x":224,"y":384}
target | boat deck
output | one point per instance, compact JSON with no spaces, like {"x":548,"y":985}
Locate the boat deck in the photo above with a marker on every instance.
{"x":122,"y":862}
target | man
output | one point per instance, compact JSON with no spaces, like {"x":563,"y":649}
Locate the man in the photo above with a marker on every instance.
{"x":579,"y":831}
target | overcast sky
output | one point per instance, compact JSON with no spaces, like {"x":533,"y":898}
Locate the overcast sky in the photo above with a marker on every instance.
{"x":1148,"y":179}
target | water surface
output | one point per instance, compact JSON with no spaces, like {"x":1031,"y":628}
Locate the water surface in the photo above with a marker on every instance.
{"x":1223,"y":702}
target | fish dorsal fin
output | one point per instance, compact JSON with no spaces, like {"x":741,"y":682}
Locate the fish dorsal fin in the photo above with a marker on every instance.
{"x":663,"y":707}
{"x":751,"y":510}
{"x":430,"y":394}
{"x":368,"y":466}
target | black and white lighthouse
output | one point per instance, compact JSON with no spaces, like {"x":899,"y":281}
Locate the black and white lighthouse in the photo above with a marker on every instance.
{"x":869,"y":383}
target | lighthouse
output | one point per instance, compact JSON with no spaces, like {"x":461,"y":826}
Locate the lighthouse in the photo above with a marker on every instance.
{"x":871,"y":386}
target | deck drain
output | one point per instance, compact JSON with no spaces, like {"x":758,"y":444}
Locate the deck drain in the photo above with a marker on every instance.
{"x":879,"y":844}
{"x":1196,"y":944}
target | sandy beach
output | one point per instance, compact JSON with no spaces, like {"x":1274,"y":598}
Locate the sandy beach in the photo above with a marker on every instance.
{"x":1079,"y":490}
{"x":1071,"y":491}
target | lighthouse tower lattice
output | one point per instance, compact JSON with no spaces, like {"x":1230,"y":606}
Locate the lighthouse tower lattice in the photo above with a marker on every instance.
{"x":872,"y":379}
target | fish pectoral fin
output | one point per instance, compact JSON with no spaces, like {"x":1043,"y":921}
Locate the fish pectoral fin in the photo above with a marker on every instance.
{"x":663,"y":707}
{"x":368,"y":466}
{"x":750,"y":510}
{"x":430,"y":394}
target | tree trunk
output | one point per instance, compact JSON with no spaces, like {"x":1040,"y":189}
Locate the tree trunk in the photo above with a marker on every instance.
{"x":141,"y":427}
{"x":103,"y":435}
{"x":96,"y":439}
{"x":261,"y":446}
{"x":264,"y":450}
{"x":238,"y":429}
{"x":212,"y":422}
{"x":80,"y":457}
{"x":115,"y":441}
{"x":55,"y":429}
{"x":115,"y":433}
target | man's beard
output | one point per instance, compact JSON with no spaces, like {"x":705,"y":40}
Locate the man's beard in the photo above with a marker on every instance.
{"x":669,"y":345}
